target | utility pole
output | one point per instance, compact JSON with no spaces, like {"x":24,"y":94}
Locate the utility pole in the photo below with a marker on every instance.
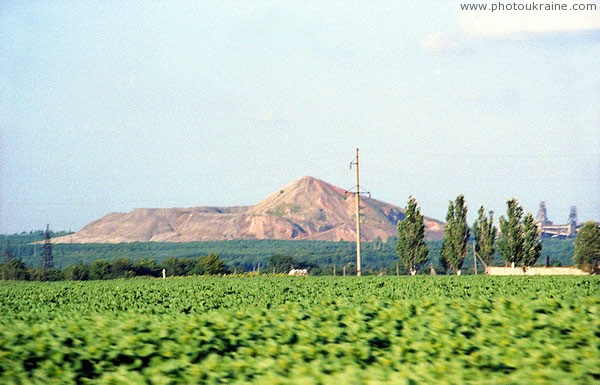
{"x":358,"y":270}
{"x":357,"y":193}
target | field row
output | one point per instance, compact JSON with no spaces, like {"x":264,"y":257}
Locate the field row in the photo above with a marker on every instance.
{"x":378,"y":330}
{"x":41,"y":301}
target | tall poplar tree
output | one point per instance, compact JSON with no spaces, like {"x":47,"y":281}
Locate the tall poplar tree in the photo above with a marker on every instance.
{"x":510,"y":241}
{"x":485,"y":232}
{"x":456,"y":235}
{"x":411,"y":248}
{"x":532,"y":244}
{"x":519,"y":242}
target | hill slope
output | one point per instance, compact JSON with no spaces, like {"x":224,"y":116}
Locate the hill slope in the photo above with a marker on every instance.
{"x":304,"y":209}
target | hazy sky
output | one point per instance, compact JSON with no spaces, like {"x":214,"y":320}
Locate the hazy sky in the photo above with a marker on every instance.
{"x":109,"y":106}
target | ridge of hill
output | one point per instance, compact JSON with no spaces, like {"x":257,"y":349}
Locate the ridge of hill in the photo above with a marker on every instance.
{"x":307,"y":208}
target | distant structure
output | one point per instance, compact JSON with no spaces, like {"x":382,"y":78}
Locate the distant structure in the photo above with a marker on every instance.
{"x":542,"y":215}
{"x":298,"y":272}
{"x":549,"y":230}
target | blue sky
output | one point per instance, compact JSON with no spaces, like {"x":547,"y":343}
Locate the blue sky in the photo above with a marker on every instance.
{"x":109,"y":106}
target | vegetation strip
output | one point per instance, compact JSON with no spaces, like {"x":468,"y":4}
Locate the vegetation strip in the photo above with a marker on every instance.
{"x":374,"y":330}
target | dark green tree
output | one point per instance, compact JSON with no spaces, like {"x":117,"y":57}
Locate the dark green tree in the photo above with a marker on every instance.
{"x":178,"y":266}
{"x":54,"y":275}
{"x":78,"y":272}
{"x":532,"y":244}
{"x":519,"y":242}
{"x":210,"y":265}
{"x":587,"y":247}
{"x":446,"y":247}
{"x":120,"y":268}
{"x":485,"y":232}
{"x":411,"y":248}
{"x":510,"y":241}
{"x":99,"y":269}
{"x":13,"y":269}
{"x":146,"y":267}
{"x":278,"y":264}
{"x":456,"y":236}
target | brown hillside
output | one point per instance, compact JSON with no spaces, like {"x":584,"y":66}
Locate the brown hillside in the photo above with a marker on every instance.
{"x":305,"y":209}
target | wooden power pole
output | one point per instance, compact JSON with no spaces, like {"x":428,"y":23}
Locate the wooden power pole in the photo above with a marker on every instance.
{"x":358,"y":262}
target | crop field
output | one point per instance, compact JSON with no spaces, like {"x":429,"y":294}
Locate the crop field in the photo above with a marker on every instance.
{"x":302,"y":330}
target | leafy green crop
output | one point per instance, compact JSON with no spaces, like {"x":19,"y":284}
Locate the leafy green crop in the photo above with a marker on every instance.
{"x":302,"y":330}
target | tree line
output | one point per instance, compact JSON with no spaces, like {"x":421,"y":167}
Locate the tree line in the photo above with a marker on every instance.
{"x":14,"y":269}
{"x":516,"y":239}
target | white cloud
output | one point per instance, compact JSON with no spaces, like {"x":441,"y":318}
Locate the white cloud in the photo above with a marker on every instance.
{"x":523,"y":22}
{"x":438,"y":42}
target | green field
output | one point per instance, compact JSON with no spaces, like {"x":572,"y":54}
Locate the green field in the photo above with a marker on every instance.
{"x":302,"y":330}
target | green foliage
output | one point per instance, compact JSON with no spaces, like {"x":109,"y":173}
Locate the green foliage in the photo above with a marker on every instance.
{"x":485,"y":232}
{"x":13,"y":269}
{"x":99,"y":269}
{"x":379,"y":257}
{"x":587,"y":247}
{"x":411,"y":248}
{"x":559,"y":251}
{"x":124,"y":268}
{"x":519,"y":241}
{"x":146,"y":267}
{"x":178,"y":266}
{"x":53,"y":275}
{"x":280,"y":264}
{"x":510,"y":241}
{"x":532,"y":245}
{"x":79,"y":272}
{"x":446,"y":251}
{"x":281,"y":330}
{"x":456,"y":235}
{"x":210,"y":265}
